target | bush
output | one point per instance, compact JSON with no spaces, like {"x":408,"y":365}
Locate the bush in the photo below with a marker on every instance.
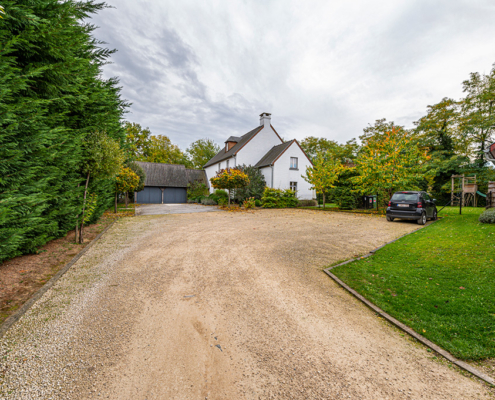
{"x":345,"y":199}
{"x":219,"y":194}
{"x":207,"y":201}
{"x":223,"y":201}
{"x":308,"y":203}
{"x":257,"y":203}
{"x":278,"y":198}
{"x":249,"y":203}
{"x":255,"y":187}
{"x":196,"y":189}
{"x":488,"y":216}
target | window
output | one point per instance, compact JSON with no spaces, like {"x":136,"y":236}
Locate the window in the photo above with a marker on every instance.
{"x":293,"y":185}
{"x":405,"y":197}
{"x":293,"y":163}
{"x":228,"y":163}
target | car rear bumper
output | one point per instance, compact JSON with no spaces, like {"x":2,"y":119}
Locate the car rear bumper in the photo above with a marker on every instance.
{"x":413,"y":215}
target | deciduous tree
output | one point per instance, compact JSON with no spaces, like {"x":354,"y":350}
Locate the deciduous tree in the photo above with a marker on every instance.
{"x":389,"y":162}
{"x":323,"y":174}
{"x":126,"y":181}
{"x":103,"y":159}
{"x":201,"y":151}
{"x":230,"y":178}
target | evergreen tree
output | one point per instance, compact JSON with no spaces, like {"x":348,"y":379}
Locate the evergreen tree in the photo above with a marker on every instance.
{"x":51,"y":98}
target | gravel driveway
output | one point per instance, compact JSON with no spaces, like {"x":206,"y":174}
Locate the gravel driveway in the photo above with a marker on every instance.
{"x":220,"y":306}
{"x":159,"y":209}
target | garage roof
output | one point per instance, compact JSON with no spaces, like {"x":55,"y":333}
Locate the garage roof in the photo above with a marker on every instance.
{"x":170,"y":175}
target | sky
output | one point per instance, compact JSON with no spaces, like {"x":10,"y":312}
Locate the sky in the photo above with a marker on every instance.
{"x":197,"y":69}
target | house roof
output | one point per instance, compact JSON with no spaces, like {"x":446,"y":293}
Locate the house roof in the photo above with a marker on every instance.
{"x":172,"y":175}
{"x":272,"y":155}
{"x":196,"y":175}
{"x":223,"y":155}
{"x":233,"y":139}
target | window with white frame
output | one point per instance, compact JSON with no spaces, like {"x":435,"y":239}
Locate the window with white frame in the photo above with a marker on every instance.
{"x":293,"y":163}
{"x":228,"y":162}
{"x":293,"y":186}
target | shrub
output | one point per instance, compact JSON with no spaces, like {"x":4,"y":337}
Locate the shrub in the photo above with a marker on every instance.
{"x":488,"y":216}
{"x":278,"y":198}
{"x":255,"y":187}
{"x":257,"y":203}
{"x":345,"y":199}
{"x":207,"y":201}
{"x":249,"y":203}
{"x":223,"y":201}
{"x":196,"y":189}
{"x":308,"y":203}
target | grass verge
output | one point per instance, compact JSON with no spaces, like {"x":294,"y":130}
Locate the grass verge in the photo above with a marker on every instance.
{"x":439,"y":281}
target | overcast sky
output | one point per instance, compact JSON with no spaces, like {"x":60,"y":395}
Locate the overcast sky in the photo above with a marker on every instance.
{"x":196,"y":69}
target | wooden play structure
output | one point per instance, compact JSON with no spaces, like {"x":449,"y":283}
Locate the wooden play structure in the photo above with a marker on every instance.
{"x":464,"y":191}
{"x":490,"y":196}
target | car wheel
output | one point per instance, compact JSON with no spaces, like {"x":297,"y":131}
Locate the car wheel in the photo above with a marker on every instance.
{"x":390,"y":219}
{"x":435,"y":217}
{"x":422,"y":220}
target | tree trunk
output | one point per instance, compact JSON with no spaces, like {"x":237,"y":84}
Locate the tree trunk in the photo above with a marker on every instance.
{"x":77,"y":221}
{"x":323,"y":200}
{"x":77,"y":230}
{"x":116,"y":195}
{"x":126,"y":199}
{"x":81,"y":239}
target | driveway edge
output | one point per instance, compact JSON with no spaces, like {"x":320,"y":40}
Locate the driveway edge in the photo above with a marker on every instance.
{"x":461,"y":364}
{"x":7,"y":324}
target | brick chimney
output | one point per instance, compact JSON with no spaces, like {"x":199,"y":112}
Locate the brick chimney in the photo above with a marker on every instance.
{"x":265,"y":119}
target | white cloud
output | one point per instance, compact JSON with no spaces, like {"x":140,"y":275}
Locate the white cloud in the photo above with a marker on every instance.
{"x":195,"y":69}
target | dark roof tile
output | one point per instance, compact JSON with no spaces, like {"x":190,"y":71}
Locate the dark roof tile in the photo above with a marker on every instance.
{"x":273,"y":154}
{"x":171,"y":175}
{"x":223,"y":155}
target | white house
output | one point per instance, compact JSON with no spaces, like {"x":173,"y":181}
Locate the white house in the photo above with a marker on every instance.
{"x":281,"y":163}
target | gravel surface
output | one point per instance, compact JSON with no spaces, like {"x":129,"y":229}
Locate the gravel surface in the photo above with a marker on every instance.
{"x":220,"y":306}
{"x":158,"y":209}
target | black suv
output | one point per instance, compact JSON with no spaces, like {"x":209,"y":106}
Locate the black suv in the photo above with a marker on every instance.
{"x":412,"y":205}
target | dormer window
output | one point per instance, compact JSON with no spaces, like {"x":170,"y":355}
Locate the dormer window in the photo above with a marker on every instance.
{"x":231,"y":142}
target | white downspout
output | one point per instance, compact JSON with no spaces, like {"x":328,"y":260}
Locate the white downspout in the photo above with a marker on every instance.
{"x":272,"y":175}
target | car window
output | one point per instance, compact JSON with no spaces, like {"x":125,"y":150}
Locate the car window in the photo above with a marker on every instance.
{"x":426,"y":197}
{"x":405,"y":197}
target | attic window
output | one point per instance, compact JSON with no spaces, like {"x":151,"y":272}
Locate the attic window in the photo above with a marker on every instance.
{"x":293,"y":163}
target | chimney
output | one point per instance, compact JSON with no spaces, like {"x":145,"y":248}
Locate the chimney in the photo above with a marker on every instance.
{"x":265,"y":119}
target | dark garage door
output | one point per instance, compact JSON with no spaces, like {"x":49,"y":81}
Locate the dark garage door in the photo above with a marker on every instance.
{"x":153,"y":195}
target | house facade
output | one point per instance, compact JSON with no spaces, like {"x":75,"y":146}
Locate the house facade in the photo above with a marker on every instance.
{"x":281,"y":163}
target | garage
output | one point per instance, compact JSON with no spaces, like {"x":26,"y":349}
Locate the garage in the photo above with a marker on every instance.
{"x":166,"y":183}
{"x":157,"y":195}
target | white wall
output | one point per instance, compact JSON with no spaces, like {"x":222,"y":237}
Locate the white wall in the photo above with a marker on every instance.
{"x":267,"y":173}
{"x":283,"y":175}
{"x":258,"y":146}
{"x":211,"y":171}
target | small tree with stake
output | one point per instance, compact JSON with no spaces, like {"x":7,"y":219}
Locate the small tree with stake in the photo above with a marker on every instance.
{"x":103,"y":159}
{"x":230,"y":178}
{"x":323,"y":174}
{"x":126,"y":181}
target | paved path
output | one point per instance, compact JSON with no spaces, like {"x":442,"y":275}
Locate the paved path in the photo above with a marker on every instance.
{"x":159,"y":209}
{"x":220,"y":306}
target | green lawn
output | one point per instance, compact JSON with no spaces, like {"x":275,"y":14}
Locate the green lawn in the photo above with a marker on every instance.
{"x":440,"y":281}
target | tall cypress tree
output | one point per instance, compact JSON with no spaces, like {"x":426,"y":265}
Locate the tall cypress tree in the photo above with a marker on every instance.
{"x":51,"y":98}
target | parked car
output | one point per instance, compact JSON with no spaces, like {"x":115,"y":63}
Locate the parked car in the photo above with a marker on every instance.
{"x":412,"y":205}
